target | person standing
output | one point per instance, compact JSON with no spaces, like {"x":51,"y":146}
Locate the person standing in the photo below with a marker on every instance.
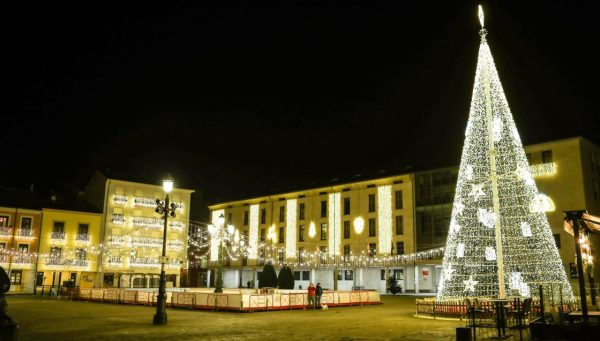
{"x":311,"y":296}
{"x":319,"y":293}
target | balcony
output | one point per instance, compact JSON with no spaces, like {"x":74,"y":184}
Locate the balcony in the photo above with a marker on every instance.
{"x":60,"y":236}
{"x":55,"y":261}
{"x":118,"y":240}
{"x":23,"y":259}
{"x":80,"y":262}
{"x":24,"y":233}
{"x":118,"y":219}
{"x":83,"y":237}
{"x":148,"y":222}
{"x":5,"y":232}
{"x":146,"y":241}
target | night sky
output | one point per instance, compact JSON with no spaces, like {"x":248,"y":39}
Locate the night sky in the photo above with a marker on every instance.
{"x":232,"y":99}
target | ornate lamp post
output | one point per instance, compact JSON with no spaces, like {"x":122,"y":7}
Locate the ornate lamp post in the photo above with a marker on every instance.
{"x":166,"y":209}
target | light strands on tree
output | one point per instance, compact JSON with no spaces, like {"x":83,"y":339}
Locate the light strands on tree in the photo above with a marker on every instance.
{"x":494,"y":233}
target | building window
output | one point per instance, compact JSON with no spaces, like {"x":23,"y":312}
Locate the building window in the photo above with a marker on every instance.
{"x":281,"y":234}
{"x":398,"y":274}
{"x":301,"y":213}
{"x":347,"y":229}
{"x":372,"y":249}
{"x":399,"y":248}
{"x":324,"y":209}
{"x":262,"y":235}
{"x":546,"y":156}
{"x":301,"y":233}
{"x":372,"y":227}
{"x":305,"y":275}
{"x":83,"y":229}
{"x":281,"y":214}
{"x":245,"y":218}
{"x":323,"y":231}
{"x":15,"y":277}
{"x":281,"y":256}
{"x":346,"y":251}
{"x":323,"y":253}
{"x":557,"y":240}
{"x":301,"y":255}
{"x":346,"y":206}
{"x":4,"y":220}
{"x":399,"y":203}
{"x":382,"y":272}
{"x":399,"y":225}
{"x":348,"y":275}
{"x":59,"y":226}
{"x":23,"y":248}
{"x":229,"y":218}
{"x":263,"y":215}
{"x":26,"y":222}
{"x":371,"y":202}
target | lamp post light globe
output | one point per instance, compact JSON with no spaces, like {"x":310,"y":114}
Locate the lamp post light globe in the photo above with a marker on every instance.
{"x":165,"y":209}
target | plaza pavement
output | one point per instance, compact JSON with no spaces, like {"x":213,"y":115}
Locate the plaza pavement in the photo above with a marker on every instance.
{"x":44,"y":318}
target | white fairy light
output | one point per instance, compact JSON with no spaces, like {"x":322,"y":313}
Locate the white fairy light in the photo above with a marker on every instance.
{"x":460,"y":250}
{"x":214,"y":245}
{"x":291,"y":219}
{"x":335,"y":221}
{"x":477,"y":191}
{"x":253,"y":232}
{"x":499,"y":194}
{"x":384,"y":218}
{"x":526,"y":229}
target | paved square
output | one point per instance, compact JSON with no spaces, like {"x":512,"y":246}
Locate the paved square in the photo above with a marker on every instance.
{"x":52,"y":319}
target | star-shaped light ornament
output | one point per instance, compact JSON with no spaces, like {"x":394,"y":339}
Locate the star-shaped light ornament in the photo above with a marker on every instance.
{"x":470,"y":284}
{"x":477,"y":191}
{"x":525,"y":175}
{"x":487,"y":218}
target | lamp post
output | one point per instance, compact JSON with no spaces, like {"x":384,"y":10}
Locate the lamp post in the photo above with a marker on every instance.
{"x":166,"y":209}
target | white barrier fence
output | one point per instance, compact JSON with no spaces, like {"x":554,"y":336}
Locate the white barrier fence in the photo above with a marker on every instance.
{"x":230,"y":299}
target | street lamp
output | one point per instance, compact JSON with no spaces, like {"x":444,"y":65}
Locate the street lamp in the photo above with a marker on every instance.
{"x":166,"y":209}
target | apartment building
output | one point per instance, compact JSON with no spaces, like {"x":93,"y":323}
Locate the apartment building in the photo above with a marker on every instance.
{"x":402,"y":214}
{"x":133,"y":232}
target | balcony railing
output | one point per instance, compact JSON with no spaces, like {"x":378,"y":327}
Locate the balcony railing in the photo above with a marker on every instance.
{"x":23,"y":259}
{"x":24,"y":233}
{"x":5,"y":231}
{"x":57,"y":261}
{"x":80,"y":262}
{"x":83,"y":237}
{"x":57,"y":236}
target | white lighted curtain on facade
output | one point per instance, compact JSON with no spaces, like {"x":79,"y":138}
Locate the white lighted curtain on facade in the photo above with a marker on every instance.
{"x":498,"y":244}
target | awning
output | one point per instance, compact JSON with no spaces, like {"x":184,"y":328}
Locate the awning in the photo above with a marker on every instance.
{"x":588,"y":222}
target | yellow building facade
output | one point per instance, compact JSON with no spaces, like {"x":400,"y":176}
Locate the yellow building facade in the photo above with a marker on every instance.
{"x":278,"y":226}
{"x":133,"y":232}
{"x":70,"y":247}
{"x":322,"y":231}
{"x":19,"y":240}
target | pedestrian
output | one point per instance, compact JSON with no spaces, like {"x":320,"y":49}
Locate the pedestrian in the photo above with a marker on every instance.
{"x":311,"y":296}
{"x":319,"y":293}
{"x":249,"y":284}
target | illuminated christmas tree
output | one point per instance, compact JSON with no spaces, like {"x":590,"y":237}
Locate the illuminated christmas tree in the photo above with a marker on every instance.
{"x":499,"y":243}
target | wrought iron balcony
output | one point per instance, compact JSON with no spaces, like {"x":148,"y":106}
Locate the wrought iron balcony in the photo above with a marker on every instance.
{"x":57,"y":236}
{"x":83,"y":237}
{"x":5,"y":231}
{"x":80,"y":262}
{"x":24,"y":233}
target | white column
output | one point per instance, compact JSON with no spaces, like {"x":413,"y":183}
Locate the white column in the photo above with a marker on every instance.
{"x":291,"y":220}
{"x":416,"y":279}
{"x":253,"y":233}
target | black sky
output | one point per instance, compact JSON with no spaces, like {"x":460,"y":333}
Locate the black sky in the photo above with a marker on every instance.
{"x":260,"y":95}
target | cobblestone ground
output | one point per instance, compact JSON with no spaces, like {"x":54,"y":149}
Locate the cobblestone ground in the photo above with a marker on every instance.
{"x":52,"y":319}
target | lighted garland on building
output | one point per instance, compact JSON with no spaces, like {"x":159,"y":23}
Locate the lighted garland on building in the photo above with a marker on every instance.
{"x":498,"y":245}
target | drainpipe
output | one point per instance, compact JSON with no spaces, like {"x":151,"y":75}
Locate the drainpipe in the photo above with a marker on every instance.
{"x":38,"y":253}
{"x":101,"y":237}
